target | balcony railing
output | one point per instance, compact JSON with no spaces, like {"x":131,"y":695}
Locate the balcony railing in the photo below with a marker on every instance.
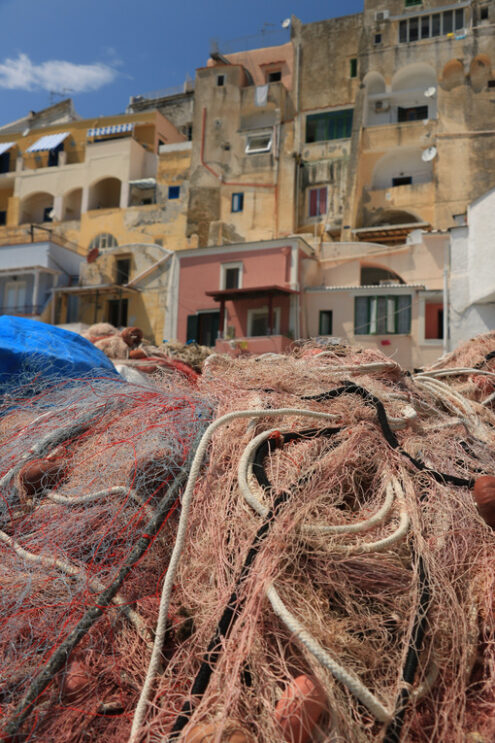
{"x":33,"y":233}
{"x":25,"y":310}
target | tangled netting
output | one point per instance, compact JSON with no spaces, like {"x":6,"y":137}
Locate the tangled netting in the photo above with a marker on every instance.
{"x":326,"y":575}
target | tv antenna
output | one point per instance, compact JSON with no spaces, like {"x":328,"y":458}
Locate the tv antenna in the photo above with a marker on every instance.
{"x":59,"y":94}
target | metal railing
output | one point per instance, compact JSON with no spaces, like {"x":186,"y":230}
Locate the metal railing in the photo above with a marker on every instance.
{"x":186,"y":87}
{"x":25,"y":310}
{"x":265,"y":37}
{"x":34,"y":233}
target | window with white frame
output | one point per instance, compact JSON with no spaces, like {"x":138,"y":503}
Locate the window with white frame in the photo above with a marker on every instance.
{"x":258,"y":321}
{"x":231,"y":275}
{"x":258,"y":143}
{"x":382,"y":315}
{"x":103,"y":240}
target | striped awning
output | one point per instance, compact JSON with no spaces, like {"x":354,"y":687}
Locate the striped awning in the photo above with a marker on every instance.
{"x":105,"y":131}
{"x":48,"y":142}
{"x":4,"y":146}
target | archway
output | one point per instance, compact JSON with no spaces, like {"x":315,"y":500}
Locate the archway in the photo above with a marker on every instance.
{"x":400,"y":167}
{"x":37,"y":208}
{"x":105,"y":194}
{"x":72,"y":205}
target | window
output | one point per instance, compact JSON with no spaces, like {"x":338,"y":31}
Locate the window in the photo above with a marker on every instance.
{"x":409,"y":3}
{"x":258,"y":143}
{"x":102,"y":241}
{"x":382,"y":315}
{"x":173,"y":192}
{"x":117,"y":312}
{"x":317,"y":202}
{"x":237,"y":202}
{"x":220,"y":81}
{"x":123,"y":270}
{"x":3,"y":217}
{"x":258,"y":321}
{"x":5,"y":162}
{"x":231,"y":275}
{"x":14,"y":298}
{"x":325,"y":324}
{"x":430,"y":26}
{"x":353,"y":67}
{"x":53,"y":155}
{"x":329,"y":125}
{"x":48,"y":214}
{"x":403,"y":180}
{"x":377,"y":39}
{"x":416,"y":113}
{"x":484,"y":13}
{"x":274,"y":77}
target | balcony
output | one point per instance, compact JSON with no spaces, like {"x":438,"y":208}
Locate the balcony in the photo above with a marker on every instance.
{"x":415,"y":196}
{"x":404,"y":134}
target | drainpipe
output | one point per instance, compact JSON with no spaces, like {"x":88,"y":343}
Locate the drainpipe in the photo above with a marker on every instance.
{"x":446,"y":311}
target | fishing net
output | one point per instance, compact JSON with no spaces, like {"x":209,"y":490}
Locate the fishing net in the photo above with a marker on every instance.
{"x":327,"y":539}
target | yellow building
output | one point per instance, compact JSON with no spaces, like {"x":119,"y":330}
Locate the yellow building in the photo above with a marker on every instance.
{"x":115,"y":186}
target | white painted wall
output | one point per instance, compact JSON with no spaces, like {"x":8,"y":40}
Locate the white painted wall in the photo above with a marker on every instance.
{"x":472,"y":279}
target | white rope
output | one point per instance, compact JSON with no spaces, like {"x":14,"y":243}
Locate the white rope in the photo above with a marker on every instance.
{"x":140,"y":711}
{"x":352,"y":683}
{"x":244,"y":472}
{"x":448,"y":372}
{"x":393,"y":491}
{"x":72,"y":570}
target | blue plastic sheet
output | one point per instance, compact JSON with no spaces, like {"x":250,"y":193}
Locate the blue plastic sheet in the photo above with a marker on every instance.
{"x":32,"y":350}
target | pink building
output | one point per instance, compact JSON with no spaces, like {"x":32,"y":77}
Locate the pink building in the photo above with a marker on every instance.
{"x":244,"y":296}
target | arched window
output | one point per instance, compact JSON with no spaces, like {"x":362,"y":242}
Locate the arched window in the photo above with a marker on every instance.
{"x":103,"y":240}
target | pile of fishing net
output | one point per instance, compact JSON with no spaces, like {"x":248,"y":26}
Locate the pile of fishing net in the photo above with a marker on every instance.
{"x":128,"y":346}
{"x":293,"y":548}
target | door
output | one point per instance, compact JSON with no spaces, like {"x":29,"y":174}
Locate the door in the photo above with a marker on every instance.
{"x":117,"y":312}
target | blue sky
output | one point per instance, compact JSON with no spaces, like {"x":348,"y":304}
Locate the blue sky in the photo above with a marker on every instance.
{"x":105,"y":51}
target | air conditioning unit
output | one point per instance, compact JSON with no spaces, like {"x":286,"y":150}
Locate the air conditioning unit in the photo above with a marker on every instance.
{"x":382,"y":106}
{"x":381,"y":15}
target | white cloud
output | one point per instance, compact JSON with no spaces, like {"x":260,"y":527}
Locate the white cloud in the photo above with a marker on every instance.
{"x":58,"y":75}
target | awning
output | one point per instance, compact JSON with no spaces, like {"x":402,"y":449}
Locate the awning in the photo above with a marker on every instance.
{"x":48,"y":142}
{"x":105,"y":131}
{"x":143,"y":183}
{"x":4,"y":146}
{"x":250,"y":293}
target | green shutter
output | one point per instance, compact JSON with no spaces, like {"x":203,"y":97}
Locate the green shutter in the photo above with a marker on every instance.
{"x":192,"y":328}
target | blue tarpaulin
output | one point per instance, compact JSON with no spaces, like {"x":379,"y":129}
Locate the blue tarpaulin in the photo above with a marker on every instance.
{"x":30,"y":350}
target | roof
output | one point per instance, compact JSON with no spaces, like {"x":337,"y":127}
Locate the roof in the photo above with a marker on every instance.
{"x":96,"y":288}
{"x":366,"y":288}
{"x":249,"y":292}
{"x":390,"y":233}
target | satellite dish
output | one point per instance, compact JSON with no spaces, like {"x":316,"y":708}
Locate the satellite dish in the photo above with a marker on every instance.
{"x":429,"y":154}
{"x":286,"y":23}
{"x":430,"y":92}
